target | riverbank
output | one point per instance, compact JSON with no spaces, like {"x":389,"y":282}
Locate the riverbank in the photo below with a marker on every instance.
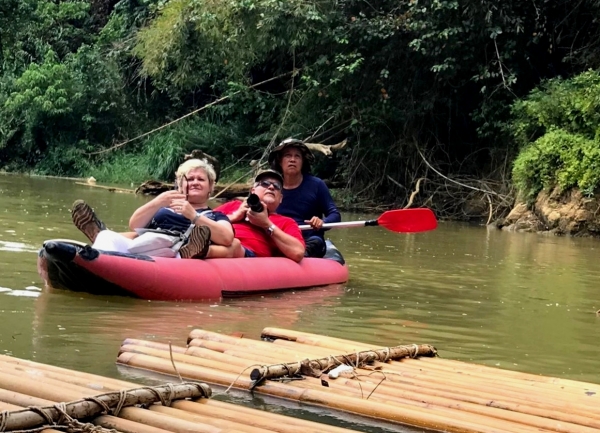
{"x":556,"y":212}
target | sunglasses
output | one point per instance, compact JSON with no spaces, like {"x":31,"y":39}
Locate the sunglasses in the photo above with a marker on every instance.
{"x":267,"y":183}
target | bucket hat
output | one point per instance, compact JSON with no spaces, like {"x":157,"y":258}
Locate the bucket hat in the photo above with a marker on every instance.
{"x":307,"y":156}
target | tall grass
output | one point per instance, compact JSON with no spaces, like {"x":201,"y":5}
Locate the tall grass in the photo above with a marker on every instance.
{"x":161,"y":153}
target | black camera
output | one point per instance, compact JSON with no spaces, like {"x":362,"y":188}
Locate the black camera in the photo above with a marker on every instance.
{"x":254,"y":203}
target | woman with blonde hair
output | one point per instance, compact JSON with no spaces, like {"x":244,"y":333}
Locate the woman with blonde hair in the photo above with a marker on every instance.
{"x":174,"y":210}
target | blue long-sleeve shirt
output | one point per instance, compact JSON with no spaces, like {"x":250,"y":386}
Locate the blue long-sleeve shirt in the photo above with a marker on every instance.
{"x":311,"y":198}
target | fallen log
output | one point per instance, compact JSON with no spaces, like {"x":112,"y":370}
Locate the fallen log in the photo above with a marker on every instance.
{"x":154,"y":187}
{"x":316,"y":367}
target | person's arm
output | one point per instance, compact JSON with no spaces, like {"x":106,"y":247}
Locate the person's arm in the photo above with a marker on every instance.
{"x":327,"y":206}
{"x":234,"y":210}
{"x":330,"y":210}
{"x":143,"y":215}
{"x":290,"y":246}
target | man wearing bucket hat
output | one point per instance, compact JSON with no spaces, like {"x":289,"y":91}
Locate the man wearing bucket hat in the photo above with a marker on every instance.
{"x":259,"y":230}
{"x":306,"y":198}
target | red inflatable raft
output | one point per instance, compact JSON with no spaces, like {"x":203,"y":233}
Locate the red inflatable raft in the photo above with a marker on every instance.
{"x":69,"y":265}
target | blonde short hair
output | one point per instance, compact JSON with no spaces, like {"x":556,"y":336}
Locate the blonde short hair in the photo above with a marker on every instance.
{"x":194,"y":164}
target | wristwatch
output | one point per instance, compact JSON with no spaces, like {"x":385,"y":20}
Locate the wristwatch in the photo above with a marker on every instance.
{"x":271,"y":229}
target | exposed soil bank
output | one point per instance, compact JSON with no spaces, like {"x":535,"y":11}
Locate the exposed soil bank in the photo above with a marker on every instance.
{"x":556,"y":212}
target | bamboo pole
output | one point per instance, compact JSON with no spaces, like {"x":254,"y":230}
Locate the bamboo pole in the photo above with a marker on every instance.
{"x":387,"y":393}
{"x":572,"y":387}
{"x":459,"y":391}
{"x":407,"y":414}
{"x":453,"y":365}
{"x":85,"y":408}
{"x":201,"y":352}
{"x":256,"y":355}
{"x":21,"y":400}
{"x":416,"y":364}
{"x":330,"y":342}
{"x":203,"y":335}
{"x":425,"y":386}
{"x":92,"y":378}
{"x":63,"y":381}
{"x":126,"y":426}
{"x":580,"y":420}
{"x":8,"y":406}
{"x":162,"y":421}
{"x":134,"y":414}
{"x":178,"y":358}
{"x":261,"y":346}
{"x":193,"y":355}
{"x":314,"y":367}
{"x":151,"y":363}
{"x":262,"y":419}
{"x":154,"y":344}
{"x":530,"y":403}
{"x":221,"y":424}
{"x":500,"y":384}
{"x":85,"y":380}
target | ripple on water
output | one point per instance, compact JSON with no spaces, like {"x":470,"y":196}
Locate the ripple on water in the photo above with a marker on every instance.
{"x":29,"y":291}
{"x":17,"y":247}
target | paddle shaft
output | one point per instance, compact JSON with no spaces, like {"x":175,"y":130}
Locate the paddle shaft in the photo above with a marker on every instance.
{"x":399,"y":221}
{"x":342,"y":225}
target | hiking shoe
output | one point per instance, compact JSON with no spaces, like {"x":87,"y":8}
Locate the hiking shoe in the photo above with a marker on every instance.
{"x":85,"y":220}
{"x":197,"y":244}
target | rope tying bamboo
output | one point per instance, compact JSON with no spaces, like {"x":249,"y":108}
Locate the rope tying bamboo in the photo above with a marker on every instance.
{"x":386,"y":352}
{"x":3,"y":418}
{"x":42,"y":412}
{"x":122,"y":397}
{"x":316,"y":367}
{"x":64,"y":415}
{"x":74,"y":426}
{"x":65,"y":422}
{"x":416,"y":351}
{"x":100,"y":403}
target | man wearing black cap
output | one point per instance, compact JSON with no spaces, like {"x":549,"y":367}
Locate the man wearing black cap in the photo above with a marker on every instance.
{"x":263,"y":233}
{"x":306,"y":198}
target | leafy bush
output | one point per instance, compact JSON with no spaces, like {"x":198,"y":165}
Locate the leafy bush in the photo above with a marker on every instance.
{"x":558,"y":125}
{"x":558,"y":158}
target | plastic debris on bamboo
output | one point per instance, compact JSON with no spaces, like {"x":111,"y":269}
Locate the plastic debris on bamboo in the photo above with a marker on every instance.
{"x":413,"y":387}
{"x":37,"y":397}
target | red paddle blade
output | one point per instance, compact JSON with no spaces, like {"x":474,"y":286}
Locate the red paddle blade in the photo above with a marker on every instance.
{"x":408,"y":220}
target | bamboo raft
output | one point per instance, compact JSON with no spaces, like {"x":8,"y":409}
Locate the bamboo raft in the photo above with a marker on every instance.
{"x":389,"y":384}
{"x":43,"y":398}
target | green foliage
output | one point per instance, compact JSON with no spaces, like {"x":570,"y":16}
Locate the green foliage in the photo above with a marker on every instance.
{"x":121,"y":168}
{"x":558,"y":158}
{"x":76,"y":103}
{"x":441,"y":74}
{"x":557,"y":125}
{"x":192,"y":43}
{"x":573,"y":105}
{"x":31,"y":28}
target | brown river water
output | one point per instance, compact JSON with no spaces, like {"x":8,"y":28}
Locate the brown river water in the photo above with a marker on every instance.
{"x":517,"y":301}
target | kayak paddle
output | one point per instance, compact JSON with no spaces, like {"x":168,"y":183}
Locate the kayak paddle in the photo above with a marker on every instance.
{"x":399,"y":220}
